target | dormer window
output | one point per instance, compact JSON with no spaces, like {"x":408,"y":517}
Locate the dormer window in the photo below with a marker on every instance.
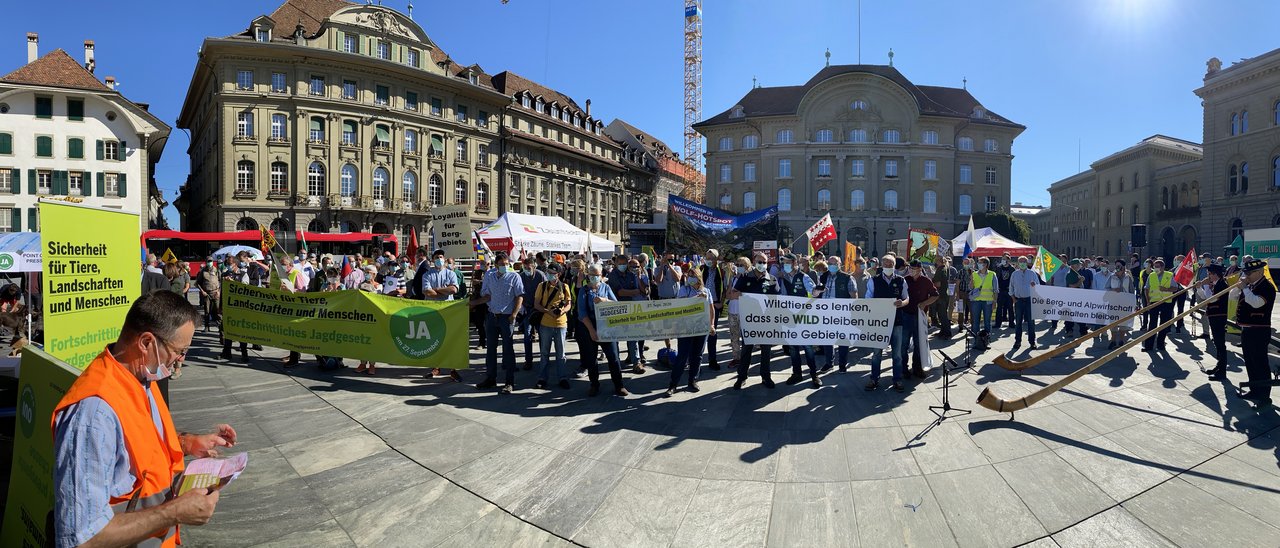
{"x":736,"y":112}
{"x":555,"y":111}
{"x":979,"y":113}
{"x":525,"y":101}
{"x":541,"y":106}
{"x":264,"y":35}
{"x":473,"y":78}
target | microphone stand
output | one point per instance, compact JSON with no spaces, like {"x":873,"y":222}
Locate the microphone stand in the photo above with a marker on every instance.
{"x":968,"y":355}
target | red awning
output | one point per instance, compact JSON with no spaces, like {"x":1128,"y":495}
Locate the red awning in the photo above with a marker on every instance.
{"x":201,"y":236}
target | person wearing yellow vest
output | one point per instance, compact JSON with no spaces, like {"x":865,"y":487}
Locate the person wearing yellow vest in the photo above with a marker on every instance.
{"x":982,"y":295}
{"x":116,"y":453}
{"x":1159,"y":286}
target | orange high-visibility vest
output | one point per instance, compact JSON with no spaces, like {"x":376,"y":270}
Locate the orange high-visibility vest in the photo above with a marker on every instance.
{"x":155,"y":460}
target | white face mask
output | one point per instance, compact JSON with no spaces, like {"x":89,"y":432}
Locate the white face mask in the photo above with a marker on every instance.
{"x":160,"y":371}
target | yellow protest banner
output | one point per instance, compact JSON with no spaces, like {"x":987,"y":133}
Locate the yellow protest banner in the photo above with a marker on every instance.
{"x":91,"y":277}
{"x":349,"y":324}
{"x":41,"y":385}
{"x":168,"y":257}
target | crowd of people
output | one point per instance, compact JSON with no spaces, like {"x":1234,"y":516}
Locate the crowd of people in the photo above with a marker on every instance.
{"x":544,"y":300}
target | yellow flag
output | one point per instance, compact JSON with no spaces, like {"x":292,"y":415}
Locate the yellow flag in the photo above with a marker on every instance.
{"x":268,"y":239}
{"x":850,"y":256}
{"x":168,"y":257}
{"x":1266,"y":273}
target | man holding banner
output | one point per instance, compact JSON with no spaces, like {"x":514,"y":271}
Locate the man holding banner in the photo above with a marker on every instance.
{"x":756,"y":282}
{"x":889,"y":285}
{"x":837,"y":285}
{"x":796,"y":283}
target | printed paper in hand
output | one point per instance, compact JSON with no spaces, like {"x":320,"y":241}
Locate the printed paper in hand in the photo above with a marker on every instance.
{"x":212,"y":473}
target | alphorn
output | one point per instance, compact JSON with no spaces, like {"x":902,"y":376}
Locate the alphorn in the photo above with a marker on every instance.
{"x":1011,"y":365}
{"x":989,"y":400}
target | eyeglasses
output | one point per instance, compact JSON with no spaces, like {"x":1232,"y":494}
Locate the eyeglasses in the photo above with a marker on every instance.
{"x":182,"y":355}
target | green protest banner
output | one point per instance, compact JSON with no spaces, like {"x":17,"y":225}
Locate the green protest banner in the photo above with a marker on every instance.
{"x":349,"y":324}
{"x":652,"y":320}
{"x":28,"y":514}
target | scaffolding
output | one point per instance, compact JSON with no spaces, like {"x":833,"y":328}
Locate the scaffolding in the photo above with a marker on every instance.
{"x":695,"y":187}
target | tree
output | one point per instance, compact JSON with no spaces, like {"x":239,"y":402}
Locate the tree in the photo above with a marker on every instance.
{"x":1006,"y":224}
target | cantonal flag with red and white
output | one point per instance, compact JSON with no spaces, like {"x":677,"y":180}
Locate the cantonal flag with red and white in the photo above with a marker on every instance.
{"x":821,"y":232}
{"x":1186,"y":272}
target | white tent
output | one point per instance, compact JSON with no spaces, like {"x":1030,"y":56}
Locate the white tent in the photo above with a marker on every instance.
{"x":989,"y":244}
{"x":515,"y":231}
{"x":20,"y":252}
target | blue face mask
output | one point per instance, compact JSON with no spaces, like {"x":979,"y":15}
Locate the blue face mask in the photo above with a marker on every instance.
{"x":503,"y":269}
{"x":787,"y":268}
{"x":593,"y":280}
{"x":622,"y":268}
{"x":833,"y":268}
{"x":439,"y":263}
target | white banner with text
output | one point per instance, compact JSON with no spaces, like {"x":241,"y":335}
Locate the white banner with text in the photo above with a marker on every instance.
{"x":775,"y":319}
{"x":1089,"y":306}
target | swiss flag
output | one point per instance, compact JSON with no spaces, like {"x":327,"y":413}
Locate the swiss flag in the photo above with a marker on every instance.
{"x":1186,"y":272}
{"x":821,"y":232}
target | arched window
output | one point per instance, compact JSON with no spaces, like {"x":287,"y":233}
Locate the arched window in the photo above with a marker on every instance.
{"x":246,"y":223}
{"x":279,"y":177}
{"x":1275,"y":113}
{"x":279,"y":127}
{"x":725,"y":201}
{"x":1233,"y":179}
{"x":244,"y":176}
{"x":784,"y":137}
{"x":279,"y":225}
{"x":784,"y":199}
{"x":1120,"y":216}
{"x":1120,"y":185}
{"x":380,"y":177}
{"x":748,"y":201}
{"x":726,"y":143}
{"x":347,"y":186}
{"x":966,"y":205}
{"x":891,"y":136}
{"x":315,"y":179}
{"x":1135,"y":214}
{"x":1135,"y":182}
{"x":316,"y":225}
{"x":930,"y":201}
{"x":965,"y":144}
{"x":891,"y":199}
{"x":435,"y":192}
{"x":1244,"y":177}
{"x":824,"y":136}
{"x":482,"y":195}
{"x":1235,"y":122}
{"x":1244,"y":122}
{"x":1108,"y":189}
{"x":409,"y":187}
{"x":1164,"y":198}
{"x":460,"y":193}
{"x":858,"y":136}
{"x":751,"y":141}
{"x":1106,"y":220}
{"x":1237,"y":229}
{"x":1174,"y":201}
{"x":824,"y":199}
{"x":1275,"y":173}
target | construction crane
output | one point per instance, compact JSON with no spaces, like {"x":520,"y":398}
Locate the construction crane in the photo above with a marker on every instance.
{"x":695,"y":185}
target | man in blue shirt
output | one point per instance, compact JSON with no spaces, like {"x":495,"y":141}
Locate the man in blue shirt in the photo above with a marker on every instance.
{"x":1020,"y":284}
{"x":503,"y":292}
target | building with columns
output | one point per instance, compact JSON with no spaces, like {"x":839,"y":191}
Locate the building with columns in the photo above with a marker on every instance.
{"x":334,"y":116}
{"x":1241,"y":148}
{"x":66,"y":134}
{"x":861,"y":142}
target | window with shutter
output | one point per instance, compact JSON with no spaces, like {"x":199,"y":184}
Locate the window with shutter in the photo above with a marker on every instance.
{"x":121,"y":187}
{"x":6,"y":143}
{"x":44,"y":107}
{"x":44,"y":146}
{"x":75,"y":148}
{"x":102,"y":185}
{"x":33,"y":219}
{"x":75,"y":109}
{"x":31,"y":182}
{"x":17,"y":219}
{"x":15,"y":184}
{"x":100,"y":155}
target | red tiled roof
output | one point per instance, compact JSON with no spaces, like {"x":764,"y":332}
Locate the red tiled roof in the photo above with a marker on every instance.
{"x":309,"y":13}
{"x":56,"y":69}
{"x":509,"y":83}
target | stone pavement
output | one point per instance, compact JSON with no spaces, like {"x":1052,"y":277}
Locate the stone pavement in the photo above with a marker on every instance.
{"x":1139,"y":453}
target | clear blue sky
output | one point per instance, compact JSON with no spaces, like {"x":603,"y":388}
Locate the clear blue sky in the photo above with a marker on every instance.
{"x":1103,"y":73}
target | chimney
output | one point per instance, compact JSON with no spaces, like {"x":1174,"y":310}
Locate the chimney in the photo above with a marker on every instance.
{"x":89,"y":63}
{"x":111,"y":82}
{"x":588,"y":107}
{"x":33,"y":46}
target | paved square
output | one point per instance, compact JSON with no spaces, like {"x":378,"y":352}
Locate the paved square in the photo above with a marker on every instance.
{"x":1144,"y":452}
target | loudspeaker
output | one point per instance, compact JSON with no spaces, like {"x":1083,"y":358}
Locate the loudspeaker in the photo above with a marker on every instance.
{"x":1138,"y":235}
